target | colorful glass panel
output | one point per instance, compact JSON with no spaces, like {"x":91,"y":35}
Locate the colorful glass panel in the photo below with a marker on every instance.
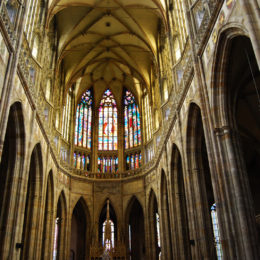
{"x":107,"y":129}
{"x":133,"y":161}
{"x":84,"y":121}
{"x":107,"y":164}
{"x":131,"y":121}
{"x":75,"y":160}
{"x":81,"y":161}
{"x":78,"y":161}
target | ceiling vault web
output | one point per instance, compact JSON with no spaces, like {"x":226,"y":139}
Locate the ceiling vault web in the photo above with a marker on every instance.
{"x":105,"y":39}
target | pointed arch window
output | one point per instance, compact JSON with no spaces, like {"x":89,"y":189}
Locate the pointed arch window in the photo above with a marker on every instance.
{"x":131,"y":121}
{"x":66,"y":116}
{"x":84,"y":121}
{"x":107,"y":126}
{"x":147,"y":117}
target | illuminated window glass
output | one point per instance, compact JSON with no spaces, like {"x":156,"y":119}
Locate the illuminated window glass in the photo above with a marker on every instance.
{"x":131,"y":121}
{"x":66,"y":117}
{"x":107,"y":127}
{"x":107,"y":164}
{"x":158,"y":229}
{"x":106,"y":243}
{"x":178,"y":20}
{"x":56,"y":238}
{"x":133,"y":161}
{"x":84,"y":121}
{"x":214,"y":219}
{"x":130,"y":238}
{"x":81,"y":161}
{"x":147,"y":118}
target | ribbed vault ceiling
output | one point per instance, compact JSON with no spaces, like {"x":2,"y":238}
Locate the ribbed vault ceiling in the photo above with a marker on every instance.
{"x":104,"y":41}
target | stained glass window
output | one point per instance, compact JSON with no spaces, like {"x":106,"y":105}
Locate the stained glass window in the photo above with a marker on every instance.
{"x":107,"y":164}
{"x":214,"y":219}
{"x":133,"y":161}
{"x":107,"y":127}
{"x":84,"y":121}
{"x":131,"y":121}
{"x":81,"y":161}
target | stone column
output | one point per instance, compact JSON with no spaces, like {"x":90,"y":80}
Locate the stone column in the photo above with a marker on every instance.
{"x":239,"y":192}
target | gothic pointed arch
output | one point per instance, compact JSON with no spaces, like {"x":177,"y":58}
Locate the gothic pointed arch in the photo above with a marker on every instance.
{"x":102,"y":220}
{"x":236,"y":98}
{"x":202,"y":195}
{"x":154,"y":227}
{"x":80,"y":231}
{"x":135,"y":230}
{"x":31,"y":234}
{"x":60,"y":231}
{"x":129,"y":206}
{"x":180,"y":223}
{"x":12,"y":163}
{"x":165,"y":217}
{"x":48,"y":232}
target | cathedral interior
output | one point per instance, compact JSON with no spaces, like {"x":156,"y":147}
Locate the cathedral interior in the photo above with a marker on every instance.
{"x":130,"y":129}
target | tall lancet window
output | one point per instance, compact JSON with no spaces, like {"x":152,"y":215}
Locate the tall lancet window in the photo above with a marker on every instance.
{"x":84,"y":120}
{"x":147,"y":117}
{"x":214,"y":218}
{"x":132,"y":121}
{"x":107,"y":128}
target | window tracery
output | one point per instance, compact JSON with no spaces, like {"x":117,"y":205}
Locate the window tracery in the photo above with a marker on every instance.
{"x":66,"y":117}
{"x":107,"y":127}
{"x":107,"y":164}
{"x":147,"y":118}
{"x":131,"y":121}
{"x":83,"y":125}
{"x":81,"y":161}
{"x":133,"y":161}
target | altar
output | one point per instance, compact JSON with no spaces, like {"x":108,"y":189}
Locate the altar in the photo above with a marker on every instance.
{"x":108,"y":249}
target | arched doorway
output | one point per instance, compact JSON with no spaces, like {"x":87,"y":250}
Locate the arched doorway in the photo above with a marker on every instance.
{"x":180,"y":215}
{"x":165,"y":219}
{"x":47,"y":237}
{"x":79,"y":240}
{"x":135,"y":230}
{"x":202,"y":195}
{"x":30,"y":237}
{"x":11,"y":169}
